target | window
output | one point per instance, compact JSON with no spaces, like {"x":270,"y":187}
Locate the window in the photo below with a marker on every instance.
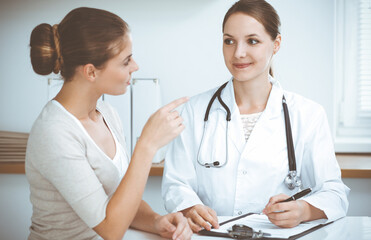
{"x":353,"y":76}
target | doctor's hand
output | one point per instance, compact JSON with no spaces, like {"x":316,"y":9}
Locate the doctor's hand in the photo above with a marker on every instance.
{"x":290,"y":214}
{"x":173,"y":226}
{"x":287,"y":214}
{"x":163,"y":126}
{"x":201,"y":216}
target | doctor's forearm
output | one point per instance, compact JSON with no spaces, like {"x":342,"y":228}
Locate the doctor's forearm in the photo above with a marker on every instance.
{"x":310,"y":212}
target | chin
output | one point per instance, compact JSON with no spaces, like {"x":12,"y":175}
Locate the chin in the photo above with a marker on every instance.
{"x":242,"y":77}
{"x":118,"y":92}
{"x":245,"y":76}
{"x":123,"y":92}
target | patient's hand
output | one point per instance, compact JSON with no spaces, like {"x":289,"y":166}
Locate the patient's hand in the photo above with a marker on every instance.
{"x":201,"y":216}
{"x":174,"y":226}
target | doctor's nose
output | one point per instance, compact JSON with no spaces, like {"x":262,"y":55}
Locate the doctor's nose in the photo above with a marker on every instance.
{"x":240,"y":51}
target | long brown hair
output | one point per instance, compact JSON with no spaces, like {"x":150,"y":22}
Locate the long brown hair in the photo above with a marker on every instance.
{"x":262,"y":11}
{"x":85,"y":35}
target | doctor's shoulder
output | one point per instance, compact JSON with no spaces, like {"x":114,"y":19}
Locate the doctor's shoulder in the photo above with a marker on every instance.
{"x":201,"y":100}
{"x":198,"y":103}
{"x":305,"y":110}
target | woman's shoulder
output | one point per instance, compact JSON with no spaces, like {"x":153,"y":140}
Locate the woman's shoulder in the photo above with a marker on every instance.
{"x":52,"y":118}
{"x":54,"y":130}
{"x":54,"y":125}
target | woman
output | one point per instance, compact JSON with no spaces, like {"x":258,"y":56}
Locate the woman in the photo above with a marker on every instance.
{"x":239,"y":166}
{"x":76,"y":154}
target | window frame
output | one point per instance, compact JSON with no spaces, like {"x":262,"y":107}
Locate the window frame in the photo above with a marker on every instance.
{"x":349,"y":134}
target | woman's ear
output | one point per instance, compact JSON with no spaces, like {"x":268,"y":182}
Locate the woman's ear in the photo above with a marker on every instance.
{"x":90,"y":72}
{"x":277,"y":44}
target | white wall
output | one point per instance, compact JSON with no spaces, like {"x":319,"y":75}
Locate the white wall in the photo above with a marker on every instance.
{"x":178,"y":42}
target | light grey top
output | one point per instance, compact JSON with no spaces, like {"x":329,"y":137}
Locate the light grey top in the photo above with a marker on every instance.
{"x":71,"y":178}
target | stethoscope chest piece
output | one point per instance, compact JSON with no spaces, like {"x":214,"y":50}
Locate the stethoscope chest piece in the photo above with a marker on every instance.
{"x":292,"y":180}
{"x":240,"y":231}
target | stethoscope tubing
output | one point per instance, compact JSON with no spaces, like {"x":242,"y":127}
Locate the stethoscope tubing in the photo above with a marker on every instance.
{"x":292,"y":177}
{"x":289,"y":140}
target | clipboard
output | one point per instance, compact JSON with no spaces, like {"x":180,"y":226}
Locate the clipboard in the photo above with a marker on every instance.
{"x":226,"y":235}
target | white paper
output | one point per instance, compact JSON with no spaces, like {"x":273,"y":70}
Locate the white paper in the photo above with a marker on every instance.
{"x":261,"y":222}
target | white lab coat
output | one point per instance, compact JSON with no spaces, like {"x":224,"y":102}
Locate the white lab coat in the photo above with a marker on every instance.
{"x":256,"y":169}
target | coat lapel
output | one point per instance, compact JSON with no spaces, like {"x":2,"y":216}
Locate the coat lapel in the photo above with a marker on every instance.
{"x":264,"y":127}
{"x":235,"y":132}
{"x":269,"y":120}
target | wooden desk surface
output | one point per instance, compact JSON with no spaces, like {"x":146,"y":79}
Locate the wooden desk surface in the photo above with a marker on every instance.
{"x":352,"y":166}
{"x":355,"y":165}
{"x":13,"y":149}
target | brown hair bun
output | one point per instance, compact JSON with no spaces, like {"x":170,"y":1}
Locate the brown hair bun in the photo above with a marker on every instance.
{"x":43,"y":51}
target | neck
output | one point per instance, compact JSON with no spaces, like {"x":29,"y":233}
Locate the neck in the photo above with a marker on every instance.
{"x":79,"y":99}
{"x":252,"y":95}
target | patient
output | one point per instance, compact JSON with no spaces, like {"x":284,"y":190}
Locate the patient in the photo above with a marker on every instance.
{"x":82,"y":181}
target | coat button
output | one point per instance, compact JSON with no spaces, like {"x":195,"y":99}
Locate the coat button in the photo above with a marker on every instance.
{"x":244,"y":172}
{"x":239,"y":213}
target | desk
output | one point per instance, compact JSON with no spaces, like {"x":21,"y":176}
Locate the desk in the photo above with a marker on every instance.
{"x":348,"y":228}
{"x":13,"y":151}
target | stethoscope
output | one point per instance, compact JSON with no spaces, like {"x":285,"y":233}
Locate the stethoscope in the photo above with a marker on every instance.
{"x":292,"y":180}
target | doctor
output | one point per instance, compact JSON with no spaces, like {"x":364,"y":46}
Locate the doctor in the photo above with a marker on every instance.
{"x":231,"y":162}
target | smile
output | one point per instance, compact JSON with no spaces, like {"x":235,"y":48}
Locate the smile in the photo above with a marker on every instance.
{"x":241,"y":65}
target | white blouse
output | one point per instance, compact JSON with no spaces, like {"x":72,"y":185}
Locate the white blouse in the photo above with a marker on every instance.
{"x":248,"y":123}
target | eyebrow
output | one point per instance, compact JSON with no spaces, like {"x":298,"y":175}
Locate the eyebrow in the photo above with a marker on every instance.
{"x":250,"y":35}
{"x":128,"y":57}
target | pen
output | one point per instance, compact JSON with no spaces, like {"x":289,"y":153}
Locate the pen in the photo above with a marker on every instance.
{"x":298,"y":195}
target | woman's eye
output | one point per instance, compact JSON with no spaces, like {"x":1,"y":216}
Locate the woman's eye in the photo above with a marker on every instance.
{"x":127,"y":62}
{"x":253,"y":41}
{"x":228,"y":41}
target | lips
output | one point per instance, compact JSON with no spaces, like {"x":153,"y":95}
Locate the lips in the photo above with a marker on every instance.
{"x":241,"y":65}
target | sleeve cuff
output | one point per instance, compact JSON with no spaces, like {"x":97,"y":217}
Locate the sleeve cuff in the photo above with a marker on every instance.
{"x":92,"y":209}
{"x":180,"y":201}
{"x":331,"y":205}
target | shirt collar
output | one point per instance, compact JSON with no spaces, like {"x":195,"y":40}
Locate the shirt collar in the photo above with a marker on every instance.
{"x":274,"y":104}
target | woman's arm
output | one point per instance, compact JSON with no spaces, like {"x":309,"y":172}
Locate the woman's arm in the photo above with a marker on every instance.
{"x":145,"y":218}
{"x":124,"y":204}
{"x":162,"y":127}
{"x":172,"y":225}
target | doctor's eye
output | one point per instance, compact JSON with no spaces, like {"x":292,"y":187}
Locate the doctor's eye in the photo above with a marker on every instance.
{"x":252,"y":41}
{"x":228,"y":41}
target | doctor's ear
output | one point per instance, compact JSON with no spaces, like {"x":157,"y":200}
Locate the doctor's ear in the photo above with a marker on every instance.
{"x":277,"y":44}
{"x":90,"y":72}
